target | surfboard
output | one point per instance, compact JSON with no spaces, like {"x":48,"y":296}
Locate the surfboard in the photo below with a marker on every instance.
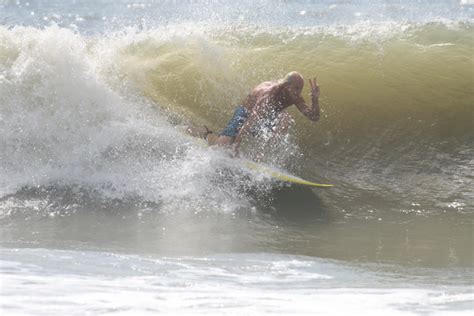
{"x":269,"y":171}
{"x":281,"y":175}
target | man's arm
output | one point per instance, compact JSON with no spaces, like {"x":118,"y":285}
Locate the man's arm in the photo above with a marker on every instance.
{"x":313,"y":112}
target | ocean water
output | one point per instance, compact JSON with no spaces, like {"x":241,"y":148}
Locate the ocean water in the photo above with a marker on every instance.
{"x":106,"y":207}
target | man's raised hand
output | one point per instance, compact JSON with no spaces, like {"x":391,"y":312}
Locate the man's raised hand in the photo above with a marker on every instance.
{"x":314,"y":88}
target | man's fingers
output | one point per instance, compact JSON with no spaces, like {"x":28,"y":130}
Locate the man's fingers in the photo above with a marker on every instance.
{"x":313,"y":84}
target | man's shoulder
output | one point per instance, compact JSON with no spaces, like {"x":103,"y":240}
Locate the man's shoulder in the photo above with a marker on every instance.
{"x":266,"y":85}
{"x":259,"y":87}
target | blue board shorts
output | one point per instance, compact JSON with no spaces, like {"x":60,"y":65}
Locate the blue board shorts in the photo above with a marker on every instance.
{"x":236,"y":122}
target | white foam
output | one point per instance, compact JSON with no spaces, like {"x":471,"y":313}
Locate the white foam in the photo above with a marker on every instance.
{"x":67,"y":120}
{"x":60,"y":282}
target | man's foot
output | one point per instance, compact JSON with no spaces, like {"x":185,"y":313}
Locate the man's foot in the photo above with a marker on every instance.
{"x":201,"y":132}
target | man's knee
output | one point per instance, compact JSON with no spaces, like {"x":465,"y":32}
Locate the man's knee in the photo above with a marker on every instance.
{"x":285,"y":121}
{"x":221,"y":140}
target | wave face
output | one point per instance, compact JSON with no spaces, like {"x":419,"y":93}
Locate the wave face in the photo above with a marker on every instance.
{"x":395,"y":103}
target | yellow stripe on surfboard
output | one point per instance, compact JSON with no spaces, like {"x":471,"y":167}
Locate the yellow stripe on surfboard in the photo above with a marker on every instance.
{"x":283,"y":177}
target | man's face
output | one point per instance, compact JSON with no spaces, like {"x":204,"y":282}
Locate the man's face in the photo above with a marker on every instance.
{"x":295,"y":88}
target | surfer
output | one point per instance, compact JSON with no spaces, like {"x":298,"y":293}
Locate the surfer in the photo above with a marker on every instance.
{"x":262,"y":111}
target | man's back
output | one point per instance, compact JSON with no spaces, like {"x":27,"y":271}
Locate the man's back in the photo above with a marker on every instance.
{"x":263,"y":96}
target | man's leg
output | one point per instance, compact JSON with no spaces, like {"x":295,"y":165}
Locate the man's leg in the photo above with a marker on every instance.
{"x":282,"y":125}
{"x":212,"y":139}
{"x":220,"y":140}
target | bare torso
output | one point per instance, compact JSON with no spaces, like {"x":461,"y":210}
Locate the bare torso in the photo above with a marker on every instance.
{"x":268,"y":97}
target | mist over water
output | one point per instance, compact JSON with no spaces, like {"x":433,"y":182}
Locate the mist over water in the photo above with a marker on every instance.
{"x":94,"y":163}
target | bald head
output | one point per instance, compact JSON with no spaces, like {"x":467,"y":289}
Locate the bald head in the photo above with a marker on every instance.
{"x":293,"y":84}
{"x":293,"y":78}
